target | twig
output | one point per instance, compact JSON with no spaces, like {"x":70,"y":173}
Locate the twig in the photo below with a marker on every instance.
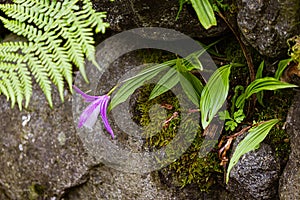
{"x":248,"y":59}
{"x":243,"y":47}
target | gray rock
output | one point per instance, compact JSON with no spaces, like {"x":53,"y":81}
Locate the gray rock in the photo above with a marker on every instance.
{"x":40,"y":153}
{"x":266,"y":25}
{"x":108,"y":183}
{"x":289,"y":187}
{"x":43,"y":155}
{"x":256,"y":174}
{"x":127,"y":14}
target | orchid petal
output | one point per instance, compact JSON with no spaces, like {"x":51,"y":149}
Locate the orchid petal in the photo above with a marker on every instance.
{"x":87,"y":98}
{"x":103,"y":113}
{"x":90,"y":114}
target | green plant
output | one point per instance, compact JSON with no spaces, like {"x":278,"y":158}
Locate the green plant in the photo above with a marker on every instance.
{"x":259,"y":130}
{"x":58,"y":34}
{"x":204,"y":12}
{"x":179,"y":71}
{"x":294,"y":49}
{"x":214,"y":94}
{"x":251,"y":142}
{"x":232,"y":122}
{"x":209,"y":98}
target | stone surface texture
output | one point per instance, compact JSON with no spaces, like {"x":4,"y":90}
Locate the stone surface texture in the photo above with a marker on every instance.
{"x":256,"y":174}
{"x":290,"y":180}
{"x":266,"y":25}
{"x":42,"y":155}
{"x":39,"y":151}
{"x":127,"y":14}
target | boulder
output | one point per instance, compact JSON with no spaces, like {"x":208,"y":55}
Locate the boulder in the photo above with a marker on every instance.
{"x":41,"y":155}
{"x":128,"y":14}
{"x":289,"y":187}
{"x":256,"y":174}
{"x":266,"y":25}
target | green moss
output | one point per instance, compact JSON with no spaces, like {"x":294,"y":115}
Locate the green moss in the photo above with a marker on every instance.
{"x":189,"y":168}
{"x":36,"y":191}
{"x":294,"y":49}
{"x":154,"y":55}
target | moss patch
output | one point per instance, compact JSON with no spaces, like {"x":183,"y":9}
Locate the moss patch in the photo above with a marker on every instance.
{"x":154,"y":116}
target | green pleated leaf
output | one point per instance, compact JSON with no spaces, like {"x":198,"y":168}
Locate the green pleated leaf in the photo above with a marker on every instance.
{"x":192,"y":86}
{"x":240,"y":102}
{"x":167,"y":82}
{"x":259,"y":74}
{"x":281,"y":67}
{"x":267,"y":83}
{"x":192,"y":62}
{"x":260,"y":69}
{"x":205,"y":13}
{"x":137,"y":81}
{"x":250,"y":142}
{"x":214,"y":94}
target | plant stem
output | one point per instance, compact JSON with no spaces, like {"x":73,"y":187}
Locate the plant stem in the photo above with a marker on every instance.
{"x":243,"y":47}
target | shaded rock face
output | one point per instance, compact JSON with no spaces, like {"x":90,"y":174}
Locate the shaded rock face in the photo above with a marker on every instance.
{"x":39,"y":151}
{"x":42,"y":157}
{"x":290,"y":180}
{"x":256,"y":174}
{"x":107,"y":183}
{"x":127,"y":14}
{"x":266,"y":25}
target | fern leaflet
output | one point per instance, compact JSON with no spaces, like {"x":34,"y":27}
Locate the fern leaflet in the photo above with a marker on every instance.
{"x":59,"y":35}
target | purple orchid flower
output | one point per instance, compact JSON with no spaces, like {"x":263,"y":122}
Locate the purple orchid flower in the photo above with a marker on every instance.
{"x":90,"y":114}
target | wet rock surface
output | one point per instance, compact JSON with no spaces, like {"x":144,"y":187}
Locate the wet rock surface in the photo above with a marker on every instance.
{"x":40,"y":153}
{"x":106,"y":182}
{"x":128,"y":14}
{"x":256,"y":174}
{"x":266,"y":25}
{"x":290,"y":179}
{"x":42,"y":156}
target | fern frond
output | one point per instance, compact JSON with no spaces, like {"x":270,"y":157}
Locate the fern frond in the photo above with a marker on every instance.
{"x":95,"y":19}
{"x":19,"y":79}
{"x":17,"y":87}
{"x":83,"y":32}
{"x":73,"y":47}
{"x":59,"y":34}
{"x":41,"y":13}
{"x":5,"y":82}
{"x":84,"y":36}
{"x":40,"y":74}
{"x":26,"y":82}
{"x":3,"y":89}
{"x":10,"y":57}
{"x":21,"y":28}
{"x":10,"y":47}
{"x":60,"y":57}
{"x":53,"y":70}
